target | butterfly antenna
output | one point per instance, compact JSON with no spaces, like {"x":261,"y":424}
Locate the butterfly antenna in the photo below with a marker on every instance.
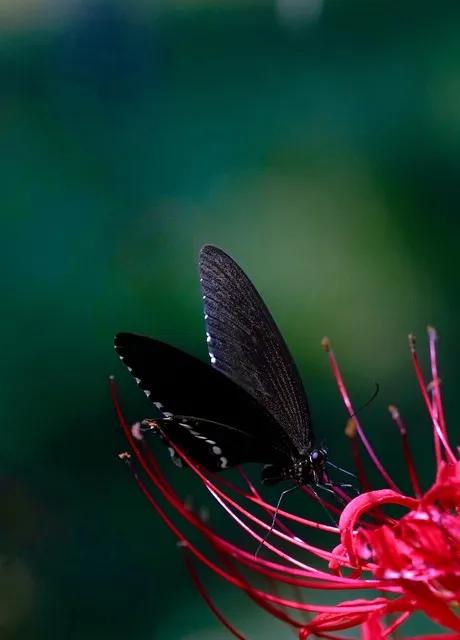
{"x":275,"y":515}
{"x":368,"y":402}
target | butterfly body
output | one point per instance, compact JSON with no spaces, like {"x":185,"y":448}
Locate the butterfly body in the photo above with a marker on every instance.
{"x":306,"y":468}
{"x":248,"y":404}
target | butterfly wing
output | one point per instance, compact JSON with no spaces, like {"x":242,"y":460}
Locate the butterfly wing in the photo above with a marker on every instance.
{"x":245,"y":344}
{"x":214,"y":445}
{"x":181,"y":385}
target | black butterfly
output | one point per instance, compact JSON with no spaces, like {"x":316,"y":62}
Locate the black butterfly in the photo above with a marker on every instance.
{"x":249,"y":405}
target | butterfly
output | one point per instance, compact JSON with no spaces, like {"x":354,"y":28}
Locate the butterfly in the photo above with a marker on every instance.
{"x":248,"y":405}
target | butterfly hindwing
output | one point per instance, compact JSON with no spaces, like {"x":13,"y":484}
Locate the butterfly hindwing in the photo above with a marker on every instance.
{"x":245,"y":344}
{"x":213,"y":445}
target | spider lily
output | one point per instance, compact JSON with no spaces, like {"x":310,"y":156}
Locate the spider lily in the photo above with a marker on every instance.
{"x":410,"y":564}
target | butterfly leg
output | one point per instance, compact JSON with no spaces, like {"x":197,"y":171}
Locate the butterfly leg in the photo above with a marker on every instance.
{"x":275,"y":515}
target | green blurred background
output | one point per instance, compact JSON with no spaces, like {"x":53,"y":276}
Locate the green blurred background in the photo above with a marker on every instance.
{"x":315,"y":140}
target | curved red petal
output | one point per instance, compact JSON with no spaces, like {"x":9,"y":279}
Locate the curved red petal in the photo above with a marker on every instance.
{"x":342,"y":619}
{"x":355,"y":509}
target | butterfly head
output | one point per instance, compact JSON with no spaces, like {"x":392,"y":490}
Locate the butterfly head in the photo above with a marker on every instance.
{"x":310,"y":467}
{"x":317,"y":458}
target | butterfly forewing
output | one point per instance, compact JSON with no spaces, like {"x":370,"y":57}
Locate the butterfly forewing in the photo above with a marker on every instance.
{"x":245,"y":344}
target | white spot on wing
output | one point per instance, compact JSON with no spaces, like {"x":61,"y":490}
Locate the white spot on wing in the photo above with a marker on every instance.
{"x":137,"y":380}
{"x":210,"y":441}
{"x":213,"y":359}
{"x":147,"y":392}
{"x":158,"y":405}
{"x":208,"y":337}
{"x":223,"y":462}
{"x":217,"y":450}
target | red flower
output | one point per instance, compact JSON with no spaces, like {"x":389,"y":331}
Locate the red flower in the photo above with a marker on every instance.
{"x":411,"y":563}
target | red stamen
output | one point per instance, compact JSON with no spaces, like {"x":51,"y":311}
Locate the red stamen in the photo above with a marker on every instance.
{"x":222,"y":500}
{"x":356,"y":455}
{"x":260,"y":502}
{"x":365,"y":607}
{"x":437,"y":431}
{"x":254,"y":595}
{"x":347,"y":402}
{"x":165,"y":489}
{"x":436,"y":383}
{"x":255,"y":563}
{"x":362,"y":608}
{"x":406,"y":450}
{"x":265,"y":505}
{"x":350,"y":431}
{"x":170,"y":496}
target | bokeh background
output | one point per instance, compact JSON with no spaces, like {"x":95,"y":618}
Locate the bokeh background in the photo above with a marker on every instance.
{"x":315,"y":140}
